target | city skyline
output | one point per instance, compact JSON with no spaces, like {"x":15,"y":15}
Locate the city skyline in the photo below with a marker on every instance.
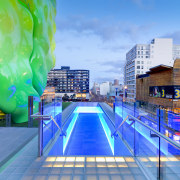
{"x":96,"y":35}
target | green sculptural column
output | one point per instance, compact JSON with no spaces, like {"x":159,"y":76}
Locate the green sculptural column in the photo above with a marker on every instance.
{"x":27,"y":29}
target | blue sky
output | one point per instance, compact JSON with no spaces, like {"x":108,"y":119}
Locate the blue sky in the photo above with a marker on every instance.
{"x":96,"y":34}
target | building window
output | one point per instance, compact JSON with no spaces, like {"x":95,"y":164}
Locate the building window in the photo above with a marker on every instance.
{"x":138,"y":67}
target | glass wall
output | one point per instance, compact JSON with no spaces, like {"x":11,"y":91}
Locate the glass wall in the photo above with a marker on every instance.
{"x":53,"y":109}
{"x":151,"y":136}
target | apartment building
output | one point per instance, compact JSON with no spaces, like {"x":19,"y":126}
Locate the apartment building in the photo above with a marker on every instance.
{"x":70,"y":82}
{"x":144,"y":56}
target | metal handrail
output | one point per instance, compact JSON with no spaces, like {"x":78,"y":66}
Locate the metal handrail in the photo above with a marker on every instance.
{"x":40,"y":116}
{"x":175,"y":144}
{"x":48,"y":117}
{"x":62,"y":132}
{"x":115,"y":132}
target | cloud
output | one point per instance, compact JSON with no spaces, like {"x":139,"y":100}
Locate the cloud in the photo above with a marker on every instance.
{"x":114,"y":64}
{"x":107,"y":30}
{"x":117,"y":48}
{"x":101,"y":79}
{"x":114,"y":70}
{"x":174,"y":35}
{"x":71,"y":48}
{"x":93,"y":26}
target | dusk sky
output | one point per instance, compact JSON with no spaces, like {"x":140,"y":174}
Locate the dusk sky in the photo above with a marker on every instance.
{"x":97,"y":34}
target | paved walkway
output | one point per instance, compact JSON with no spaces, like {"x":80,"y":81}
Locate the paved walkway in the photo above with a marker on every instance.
{"x":27,"y":166}
{"x":21,"y":162}
{"x":84,"y":168}
{"x":12,"y":139}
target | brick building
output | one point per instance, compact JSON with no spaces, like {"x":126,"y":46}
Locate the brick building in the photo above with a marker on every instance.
{"x":160,"y":86}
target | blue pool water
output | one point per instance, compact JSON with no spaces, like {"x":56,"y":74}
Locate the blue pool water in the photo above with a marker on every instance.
{"x":88,"y":137}
{"x":88,"y":133}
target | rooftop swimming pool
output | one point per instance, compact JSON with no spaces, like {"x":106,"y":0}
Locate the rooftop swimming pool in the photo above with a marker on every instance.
{"x":88,"y":132}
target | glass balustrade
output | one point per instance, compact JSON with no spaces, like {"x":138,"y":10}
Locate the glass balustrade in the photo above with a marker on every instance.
{"x":145,"y":134}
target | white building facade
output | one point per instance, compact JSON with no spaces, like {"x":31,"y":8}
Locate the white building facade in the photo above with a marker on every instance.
{"x":104,"y":88}
{"x":96,"y":88}
{"x":144,"y":56}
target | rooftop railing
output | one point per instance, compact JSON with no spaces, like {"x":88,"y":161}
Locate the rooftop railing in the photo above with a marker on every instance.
{"x":158,"y":155}
{"x":49,"y":122}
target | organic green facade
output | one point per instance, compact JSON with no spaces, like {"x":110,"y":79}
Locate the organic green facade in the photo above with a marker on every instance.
{"x":27,"y":44}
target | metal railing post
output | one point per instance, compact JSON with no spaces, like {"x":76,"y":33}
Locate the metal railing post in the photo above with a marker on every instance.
{"x":134,"y":139}
{"x":53,"y":125}
{"x":30,"y":111}
{"x":40,"y":132}
{"x":8,"y":120}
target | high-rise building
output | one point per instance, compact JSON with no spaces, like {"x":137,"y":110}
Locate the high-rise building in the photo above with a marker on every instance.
{"x":144,"y":56}
{"x":70,"y":82}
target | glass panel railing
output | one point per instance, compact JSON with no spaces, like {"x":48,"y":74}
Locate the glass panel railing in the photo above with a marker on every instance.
{"x":146,"y":149}
{"x":49,"y":119}
{"x":169,"y":161}
{"x":5,"y":120}
{"x":151,"y":139}
{"x":127,"y":131}
{"x":52,"y":108}
{"x":48,"y":125}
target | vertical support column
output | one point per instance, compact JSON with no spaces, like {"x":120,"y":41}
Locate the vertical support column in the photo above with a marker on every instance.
{"x":159,"y":150}
{"x":163,"y":144}
{"x":53,"y":125}
{"x":114,"y":107}
{"x":30,"y":111}
{"x":8,"y":120}
{"x":134,"y":138}
{"x":134,"y":109}
{"x":40,"y":131}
